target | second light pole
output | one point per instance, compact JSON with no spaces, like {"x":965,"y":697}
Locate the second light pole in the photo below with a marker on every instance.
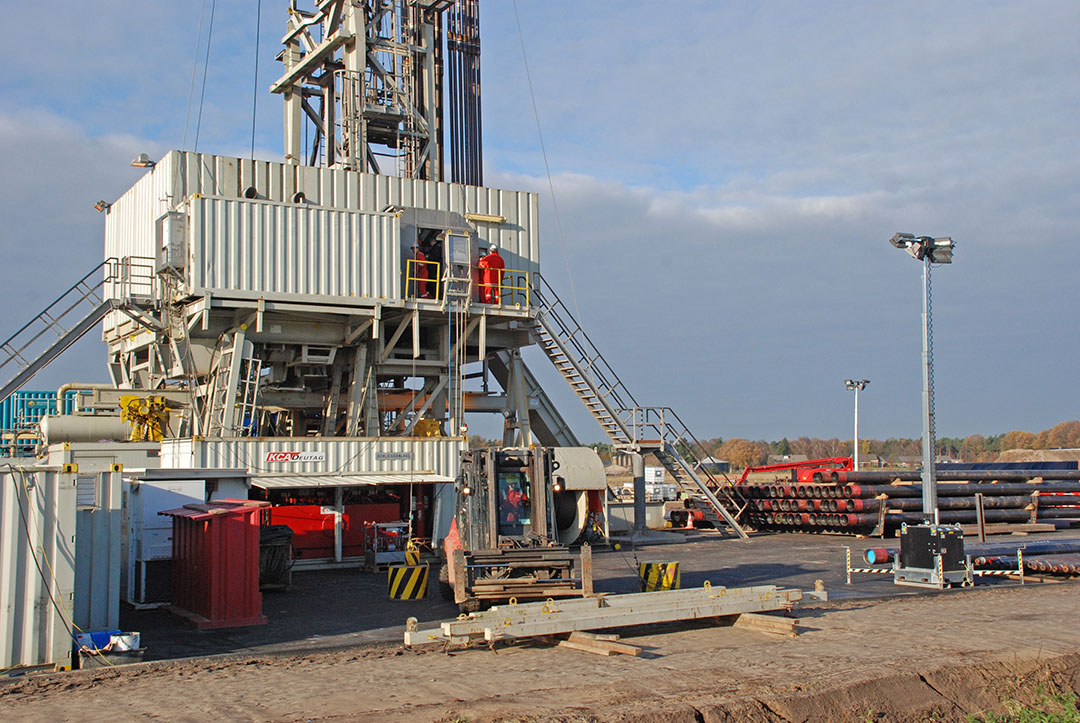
{"x":856,"y":385}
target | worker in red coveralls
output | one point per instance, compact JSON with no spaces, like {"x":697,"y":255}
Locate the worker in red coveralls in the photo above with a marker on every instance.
{"x":420,"y":273}
{"x":513,"y":504}
{"x":491,"y":271}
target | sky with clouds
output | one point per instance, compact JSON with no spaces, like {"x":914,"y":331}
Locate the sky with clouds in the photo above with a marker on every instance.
{"x":726,"y":177}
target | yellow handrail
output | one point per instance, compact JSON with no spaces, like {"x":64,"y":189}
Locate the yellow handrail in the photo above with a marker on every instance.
{"x":431,"y":280}
{"x":515,"y":281}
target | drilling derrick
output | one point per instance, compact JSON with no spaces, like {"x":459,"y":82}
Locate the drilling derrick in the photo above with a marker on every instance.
{"x":326,"y":314}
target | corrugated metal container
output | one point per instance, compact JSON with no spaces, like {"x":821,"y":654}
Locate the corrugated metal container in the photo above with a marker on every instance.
{"x":215,"y":564}
{"x":317,"y":455}
{"x":265,"y":249}
{"x":101,"y":456}
{"x":98,"y":533}
{"x":130,"y":225}
{"x":37,"y":530}
{"x":329,"y":455}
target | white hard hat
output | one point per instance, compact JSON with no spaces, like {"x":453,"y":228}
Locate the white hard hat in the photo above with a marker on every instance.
{"x":493,"y":248}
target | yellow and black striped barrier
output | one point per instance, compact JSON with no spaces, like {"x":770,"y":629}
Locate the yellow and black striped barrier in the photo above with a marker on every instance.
{"x":659,"y":576}
{"x":407,"y":582}
{"x":412,"y":554}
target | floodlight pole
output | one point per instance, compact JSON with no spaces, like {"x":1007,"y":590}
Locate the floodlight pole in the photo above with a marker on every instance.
{"x":856,"y":385}
{"x":929,"y":474}
{"x":929,"y":251}
{"x":856,"y":444}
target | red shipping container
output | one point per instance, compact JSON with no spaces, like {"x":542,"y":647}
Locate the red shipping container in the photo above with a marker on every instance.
{"x":215,"y":565}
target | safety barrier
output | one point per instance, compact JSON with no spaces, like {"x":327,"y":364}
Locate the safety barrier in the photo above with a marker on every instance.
{"x":422,"y":279}
{"x":407,"y":582}
{"x":514,"y":288}
{"x":657,"y":576}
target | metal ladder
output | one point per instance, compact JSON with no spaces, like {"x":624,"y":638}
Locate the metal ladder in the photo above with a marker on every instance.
{"x":248,"y":396}
{"x":235,"y":390}
{"x":627,"y":423}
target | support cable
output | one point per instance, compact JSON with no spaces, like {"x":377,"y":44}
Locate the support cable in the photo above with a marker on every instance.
{"x":194,"y":68}
{"x":255,"y":89}
{"x":206,"y":66}
{"x":547,"y":167}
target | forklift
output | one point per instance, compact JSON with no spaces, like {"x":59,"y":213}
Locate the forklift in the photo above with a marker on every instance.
{"x":503,"y":545}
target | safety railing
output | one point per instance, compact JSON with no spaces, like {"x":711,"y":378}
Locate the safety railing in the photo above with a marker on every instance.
{"x":132,"y":278}
{"x":514,"y":288}
{"x":651,"y":423}
{"x":422,"y":279}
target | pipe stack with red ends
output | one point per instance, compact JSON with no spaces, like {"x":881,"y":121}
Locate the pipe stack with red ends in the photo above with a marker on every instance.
{"x":846,"y":501}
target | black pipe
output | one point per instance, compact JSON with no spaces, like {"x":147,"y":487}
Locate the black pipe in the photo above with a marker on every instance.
{"x":1057,"y":513}
{"x":1004,"y":549}
{"x":1004,"y":475}
{"x":944,"y":503}
{"x":963,"y":490}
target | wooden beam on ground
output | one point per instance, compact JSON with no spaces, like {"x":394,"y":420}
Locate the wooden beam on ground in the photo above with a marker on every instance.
{"x":588,"y":647}
{"x":767,"y":624}
{"x":600,"y":641}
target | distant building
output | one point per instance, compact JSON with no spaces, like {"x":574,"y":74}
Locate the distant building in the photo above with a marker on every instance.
{"x":786,"y":458}
{"x":713,"y":465}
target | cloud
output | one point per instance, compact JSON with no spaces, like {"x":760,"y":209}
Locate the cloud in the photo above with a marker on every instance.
{"x":726,"y":177}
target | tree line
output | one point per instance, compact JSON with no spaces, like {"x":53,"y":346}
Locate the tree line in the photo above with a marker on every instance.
{"x":974,"y":448}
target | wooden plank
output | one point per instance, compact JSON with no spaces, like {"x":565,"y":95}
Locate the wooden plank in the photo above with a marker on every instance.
{"x":609,"y":637}
{"x":611,"y":645}
{"x":767,"y":624}
{"x":587,"y":647}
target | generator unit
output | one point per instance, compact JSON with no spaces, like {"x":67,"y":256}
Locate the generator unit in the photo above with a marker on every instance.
{"x":931,"y":556}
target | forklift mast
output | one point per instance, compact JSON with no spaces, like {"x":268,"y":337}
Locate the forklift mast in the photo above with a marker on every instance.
{"x":508,"y":498}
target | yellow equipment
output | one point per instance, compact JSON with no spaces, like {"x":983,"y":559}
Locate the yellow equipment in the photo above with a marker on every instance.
{"x":148,"y":417}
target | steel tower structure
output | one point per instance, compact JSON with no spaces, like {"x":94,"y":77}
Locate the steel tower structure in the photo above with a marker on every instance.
{"x":283,"y":300}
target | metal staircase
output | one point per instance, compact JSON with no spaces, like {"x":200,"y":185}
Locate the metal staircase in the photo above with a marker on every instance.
{"x":548,"y":426}
{"x":629,"y":425}
{"x":106,"y":287}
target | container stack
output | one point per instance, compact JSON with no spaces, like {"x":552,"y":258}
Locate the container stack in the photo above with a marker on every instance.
{"x":850,"y":506}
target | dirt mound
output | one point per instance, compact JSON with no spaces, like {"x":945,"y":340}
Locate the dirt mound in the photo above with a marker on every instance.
{"x":1039,"y":455}
{"x":962,"y":692}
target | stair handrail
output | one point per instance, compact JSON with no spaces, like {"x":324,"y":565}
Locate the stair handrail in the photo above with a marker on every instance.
{"x":542,"y":290}
{"x":86,"y":291}
{"x":681,"y":432}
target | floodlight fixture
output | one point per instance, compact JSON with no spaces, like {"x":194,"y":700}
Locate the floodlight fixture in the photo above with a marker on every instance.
{"x":143,"y":161}
{"x":938,"y":250}
{"x":102,"y":206}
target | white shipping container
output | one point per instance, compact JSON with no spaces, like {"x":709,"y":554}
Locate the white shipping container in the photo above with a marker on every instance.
{"x":256,"y":249}
{"x":329,"y":455}
{"x":33,"y":629}
{"x":131,"y":224}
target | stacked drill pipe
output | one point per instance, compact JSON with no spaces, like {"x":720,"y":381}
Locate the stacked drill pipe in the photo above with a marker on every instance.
{"x":853,"y":504}
{"x":989,"y":554}
{"x":834,"y":476}
{"x":1054,"y":564}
